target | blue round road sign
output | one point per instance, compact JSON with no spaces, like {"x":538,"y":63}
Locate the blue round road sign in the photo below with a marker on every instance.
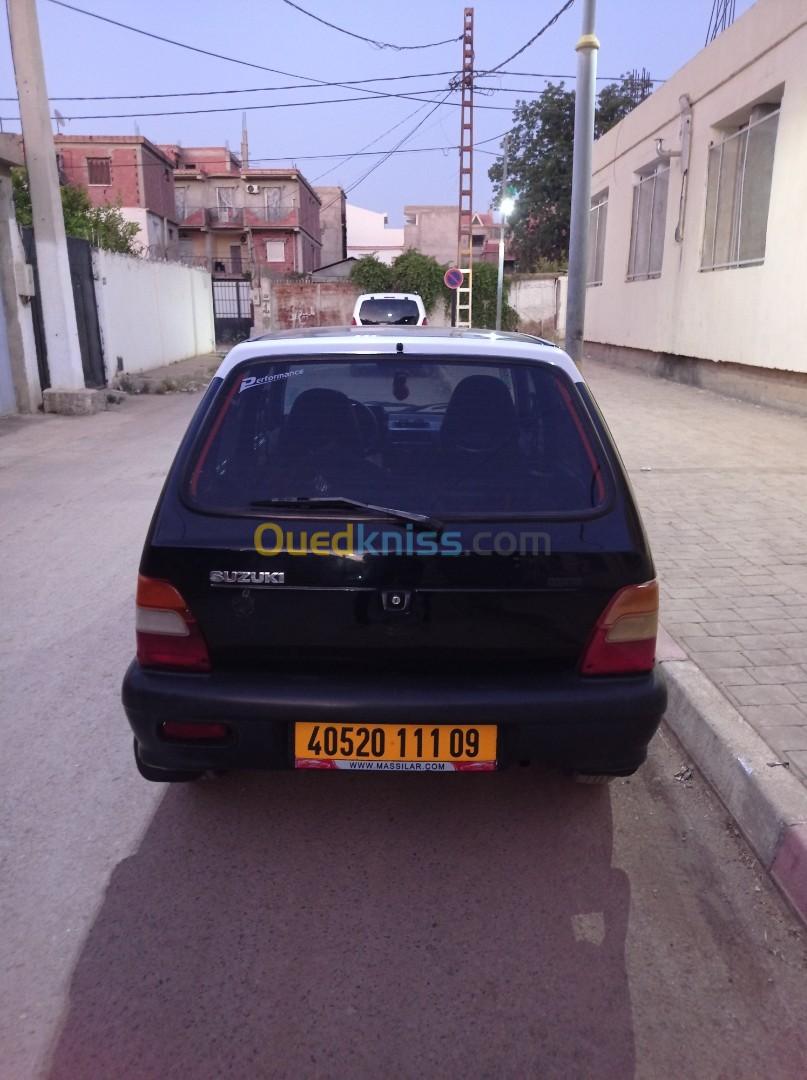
{"x":453,"y":277}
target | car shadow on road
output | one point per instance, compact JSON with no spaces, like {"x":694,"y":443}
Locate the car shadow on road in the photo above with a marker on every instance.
{"x":333,"y":925}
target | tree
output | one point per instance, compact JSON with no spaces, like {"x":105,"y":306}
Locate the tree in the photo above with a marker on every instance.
{"x":410,"y":272}
{"x":104,"y":226}
{"x":421,"y":274}
{"x":483,"y":300}
{"x":371,"y":275}
{"x":540,"y":165}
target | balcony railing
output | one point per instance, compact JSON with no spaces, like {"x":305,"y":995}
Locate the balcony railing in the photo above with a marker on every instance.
{"x":237,"y":217}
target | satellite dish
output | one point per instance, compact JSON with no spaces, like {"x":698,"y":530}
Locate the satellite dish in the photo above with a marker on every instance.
{"x":60,"y":120}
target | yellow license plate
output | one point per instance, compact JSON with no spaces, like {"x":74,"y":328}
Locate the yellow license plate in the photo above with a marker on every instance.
{"x":396,"y":747}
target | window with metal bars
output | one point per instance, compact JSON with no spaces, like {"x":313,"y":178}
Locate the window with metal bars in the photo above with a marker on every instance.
{"x":597,"y":219}
{"x":648,"y":223}
{"x":738,"y":194}
{"x":99,"y":170}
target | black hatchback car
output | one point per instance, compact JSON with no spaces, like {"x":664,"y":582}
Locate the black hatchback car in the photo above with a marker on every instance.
{"x":392,"y":549}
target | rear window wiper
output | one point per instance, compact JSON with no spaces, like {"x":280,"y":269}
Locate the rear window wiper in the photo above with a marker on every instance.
{"x":339,"y":502}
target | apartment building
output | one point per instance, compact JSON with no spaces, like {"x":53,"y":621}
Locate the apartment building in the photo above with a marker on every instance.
{"x":128,"y":171}
{"x":233,"y":219}
{"x":699,"y":215}
{"x":333,"y":224}
{"x":369,"y":233}
{"x":432,"y":230}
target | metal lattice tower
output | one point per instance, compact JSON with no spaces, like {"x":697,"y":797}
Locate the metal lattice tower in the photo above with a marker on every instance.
{"x":466,"y":202}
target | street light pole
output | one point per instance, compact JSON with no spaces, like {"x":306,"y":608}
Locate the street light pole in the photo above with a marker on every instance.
{"x":53,"y":266}
{"x":584,"y":97}
{"x":503,"y":203}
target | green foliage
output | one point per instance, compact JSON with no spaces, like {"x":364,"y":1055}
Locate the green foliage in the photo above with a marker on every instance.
{"x":422,"y":274}
{"x":371,"y":275}
{"x":22,"y":197}
{"x":104,"y":226}
{"x":540,"y":165}
{"x":483,"y":302}
{"x":411,"y":272}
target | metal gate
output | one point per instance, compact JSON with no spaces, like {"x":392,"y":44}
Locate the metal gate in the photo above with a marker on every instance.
{"x":79,"y":253}
{"x":232,"y":311}
{"x":89,"y":332}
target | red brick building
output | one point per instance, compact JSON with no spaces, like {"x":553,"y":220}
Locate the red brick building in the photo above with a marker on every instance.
{"x":129,"y":171}
{"x":232,"y":219}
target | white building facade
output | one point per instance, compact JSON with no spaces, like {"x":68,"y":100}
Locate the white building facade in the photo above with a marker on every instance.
{"x":698,"y":225}
{"x":369,"y":234}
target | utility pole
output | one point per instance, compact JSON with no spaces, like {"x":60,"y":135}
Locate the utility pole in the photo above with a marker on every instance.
{"x":502,"y":226}
{"x":463,"y":297}
{"x":587,"y":48}
{"x":53,"y":266}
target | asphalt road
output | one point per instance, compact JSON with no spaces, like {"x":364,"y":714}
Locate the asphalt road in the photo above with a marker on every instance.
{"x":331,"y":924}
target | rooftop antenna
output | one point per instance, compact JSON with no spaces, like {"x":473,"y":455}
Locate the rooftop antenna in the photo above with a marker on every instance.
{"x":721,"y":18}
{"x":60,"y":121}
{"x":244,"y":142}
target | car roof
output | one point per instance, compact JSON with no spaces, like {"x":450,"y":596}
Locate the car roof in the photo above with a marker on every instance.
{"x":419,"y":341}
{"x":380,"y":295}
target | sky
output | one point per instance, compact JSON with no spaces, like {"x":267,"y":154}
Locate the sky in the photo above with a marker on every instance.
{"x":84,"y":56}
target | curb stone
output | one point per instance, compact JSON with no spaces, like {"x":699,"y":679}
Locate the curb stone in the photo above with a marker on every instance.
{"x":768,"y":804}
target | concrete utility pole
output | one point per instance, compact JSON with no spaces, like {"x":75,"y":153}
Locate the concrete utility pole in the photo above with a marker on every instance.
{"x":58,"y":306}
{"x":502,"y":227}
{"x":587,"y":48}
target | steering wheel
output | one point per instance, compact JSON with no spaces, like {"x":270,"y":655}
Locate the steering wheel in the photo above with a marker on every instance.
{"x":369,"y":426}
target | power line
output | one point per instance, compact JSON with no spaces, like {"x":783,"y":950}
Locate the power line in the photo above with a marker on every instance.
{"x":204,"y":52}
{"x":388,"y":155}
{"x":351,"y":84}
{"x":311,"y":157}
{"x":367,"y":146}
{"x":259,"y":108}
{"x":543,"y":75}
{"x":534,"y":38}
{"x":370,"y":41}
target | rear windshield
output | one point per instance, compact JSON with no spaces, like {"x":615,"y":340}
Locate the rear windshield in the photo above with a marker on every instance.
{"x":434,"y":436}
{"x":389,"y":312}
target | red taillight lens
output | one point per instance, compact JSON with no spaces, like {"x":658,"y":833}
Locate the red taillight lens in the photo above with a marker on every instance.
{"x":187,"y":731}
{"x":168,"y":636}
{"x":425,"y":322}
{"x":624,"y":639}
{"x":354,"y":321}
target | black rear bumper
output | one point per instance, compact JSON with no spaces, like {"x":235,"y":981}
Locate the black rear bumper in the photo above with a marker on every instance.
{"x":589,"y":724}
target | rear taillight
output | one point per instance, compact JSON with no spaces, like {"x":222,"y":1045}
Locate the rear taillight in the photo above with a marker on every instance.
{"x":354,"y":321}
{"x":168,"y":636}
{"x":193,"y":731}
{"x":425,"y":322}
{"x":624,"y":639}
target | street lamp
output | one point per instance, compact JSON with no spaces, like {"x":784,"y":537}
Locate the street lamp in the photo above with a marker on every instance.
{"x":506,"y":207}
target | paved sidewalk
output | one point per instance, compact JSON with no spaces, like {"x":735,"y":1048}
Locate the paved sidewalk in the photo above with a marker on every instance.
{"x":188,"y":375}
{"x":723,"y":490}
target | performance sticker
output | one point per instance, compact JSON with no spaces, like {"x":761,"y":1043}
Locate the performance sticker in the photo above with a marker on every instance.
{"x":254,"y":380}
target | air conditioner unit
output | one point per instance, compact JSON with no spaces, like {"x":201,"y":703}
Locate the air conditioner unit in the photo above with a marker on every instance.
{"x":254,"y":189}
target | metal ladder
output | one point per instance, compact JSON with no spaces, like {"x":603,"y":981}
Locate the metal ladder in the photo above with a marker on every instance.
{"x":462,"y":316}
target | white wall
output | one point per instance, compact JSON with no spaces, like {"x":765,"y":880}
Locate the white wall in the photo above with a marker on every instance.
{"x":18,"y":349}
{"x":151,"y":313}
{"x":749,"y":315}
{"x":538,"y":301}
{"x":368,"y":235}
{"x":8,"y":400}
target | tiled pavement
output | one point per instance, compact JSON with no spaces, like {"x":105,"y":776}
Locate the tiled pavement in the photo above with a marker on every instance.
{"x":722,"y":486}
